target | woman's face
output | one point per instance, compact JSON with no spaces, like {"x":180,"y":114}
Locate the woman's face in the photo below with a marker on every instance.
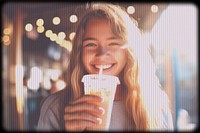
{"x":102,"y":47}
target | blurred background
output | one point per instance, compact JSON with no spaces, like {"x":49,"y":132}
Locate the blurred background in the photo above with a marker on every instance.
{"x":36,"y":43}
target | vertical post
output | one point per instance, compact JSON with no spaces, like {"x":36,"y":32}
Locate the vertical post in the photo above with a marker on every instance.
{"x":17,"y":49}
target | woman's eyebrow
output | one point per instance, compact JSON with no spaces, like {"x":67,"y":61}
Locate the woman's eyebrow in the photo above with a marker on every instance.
{"x":111,"y":38}
{"x":114,"y":38}
{"x":92,"y":38}
{"x":89,"y":38}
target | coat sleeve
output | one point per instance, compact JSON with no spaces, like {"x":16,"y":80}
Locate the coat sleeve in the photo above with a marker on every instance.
{"x":49,"y":118}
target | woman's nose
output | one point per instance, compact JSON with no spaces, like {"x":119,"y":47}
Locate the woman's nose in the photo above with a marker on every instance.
{"x":102,"y":50}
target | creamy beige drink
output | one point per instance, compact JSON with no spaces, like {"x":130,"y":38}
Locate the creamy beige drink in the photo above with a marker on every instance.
{"x":105,"y":87}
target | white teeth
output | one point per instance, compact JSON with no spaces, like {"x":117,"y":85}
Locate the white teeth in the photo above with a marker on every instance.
{"x":104,"y":66}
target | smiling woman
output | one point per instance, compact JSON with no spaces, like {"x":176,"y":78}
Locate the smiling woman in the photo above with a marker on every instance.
{"x":108,"y":37}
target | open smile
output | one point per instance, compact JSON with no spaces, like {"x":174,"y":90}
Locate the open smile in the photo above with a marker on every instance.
{"x":105,"y":67}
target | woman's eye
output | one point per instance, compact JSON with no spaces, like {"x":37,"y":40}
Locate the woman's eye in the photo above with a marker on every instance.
{"x":90,"y":45}
{"x":114,"y":44}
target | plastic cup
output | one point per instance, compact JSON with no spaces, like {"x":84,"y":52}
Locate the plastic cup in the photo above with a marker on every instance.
{"x":105,"y":87}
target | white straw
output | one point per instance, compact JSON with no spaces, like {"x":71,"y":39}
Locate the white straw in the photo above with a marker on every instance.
{"x":101,"y":70}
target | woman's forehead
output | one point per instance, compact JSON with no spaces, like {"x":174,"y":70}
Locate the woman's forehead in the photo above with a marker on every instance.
{"x":96,"y":27}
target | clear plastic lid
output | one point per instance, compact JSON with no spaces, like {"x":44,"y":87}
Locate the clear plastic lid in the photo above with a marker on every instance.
{"x":102,"y":78}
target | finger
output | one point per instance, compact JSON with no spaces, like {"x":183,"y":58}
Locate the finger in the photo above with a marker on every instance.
{"x":82,"y":116}
{"x":87,"y":98}
{"x":78,"y":125}
{"x":84,"y":107}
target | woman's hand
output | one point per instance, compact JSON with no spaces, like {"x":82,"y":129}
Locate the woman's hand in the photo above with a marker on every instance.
{"x":83,"y":112}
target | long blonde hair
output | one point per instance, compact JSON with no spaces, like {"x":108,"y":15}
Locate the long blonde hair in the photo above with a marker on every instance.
{"x":141,"y":88}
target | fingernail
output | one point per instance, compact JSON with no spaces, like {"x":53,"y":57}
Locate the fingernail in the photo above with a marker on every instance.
{"x":102,"y":110}
{"x":99,"y":120}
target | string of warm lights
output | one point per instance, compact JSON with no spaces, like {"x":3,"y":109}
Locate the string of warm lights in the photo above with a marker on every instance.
{"x":60,"y":37}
